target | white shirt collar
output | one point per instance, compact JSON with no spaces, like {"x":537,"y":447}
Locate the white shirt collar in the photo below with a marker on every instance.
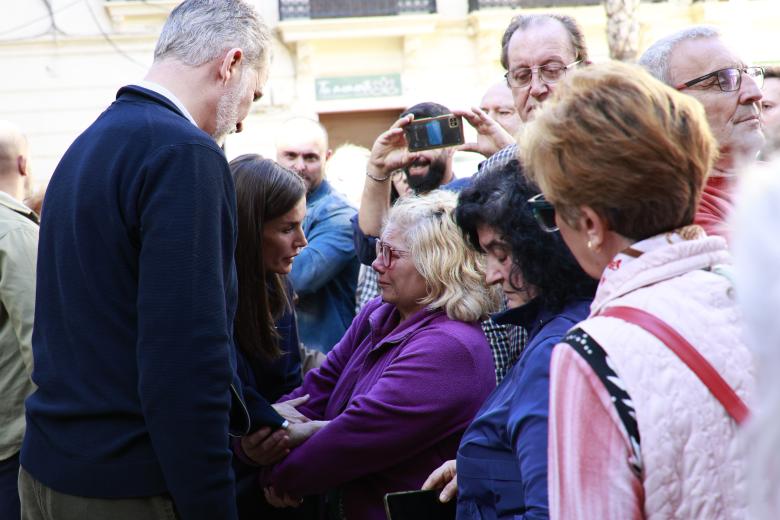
{"x":159,"y":89}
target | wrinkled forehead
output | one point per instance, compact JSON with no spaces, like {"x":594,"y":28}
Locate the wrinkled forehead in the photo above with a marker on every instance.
{"x":393,"y":235}
{"x":301,"y":140}
{"x":771,"y":89}
{"x":489,"y":236}
{"x":690,"y":59}
{"x":543,"y":41}
{"x":499,"y":95}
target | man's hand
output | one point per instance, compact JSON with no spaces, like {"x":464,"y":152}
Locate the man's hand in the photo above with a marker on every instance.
{"x":492,"y":136}
{"x":445,"y":476}
{"x":298,"y":433}
{"x":390,"y":152}
{"x":280,"y":499}
{"x":287,"y":409}
{"x":266,"y":447}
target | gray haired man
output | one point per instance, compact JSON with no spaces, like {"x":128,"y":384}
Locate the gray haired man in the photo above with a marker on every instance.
{"x":136,"y":295}
{"x":697,"y":62}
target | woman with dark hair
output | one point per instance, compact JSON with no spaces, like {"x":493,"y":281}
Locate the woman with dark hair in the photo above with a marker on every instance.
{"x":502,"y":458}
{"x":271,"y":204}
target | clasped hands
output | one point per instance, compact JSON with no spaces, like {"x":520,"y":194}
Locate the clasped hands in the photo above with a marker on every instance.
{"x":267,"y":446}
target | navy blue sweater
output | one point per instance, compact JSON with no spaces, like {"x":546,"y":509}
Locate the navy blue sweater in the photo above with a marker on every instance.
{"x":135,"y":304}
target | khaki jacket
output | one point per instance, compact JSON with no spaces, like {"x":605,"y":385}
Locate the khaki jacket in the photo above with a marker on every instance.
{"x":18,"y":256}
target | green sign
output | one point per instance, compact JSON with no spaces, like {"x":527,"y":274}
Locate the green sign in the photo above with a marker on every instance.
{"x":351,"y":87}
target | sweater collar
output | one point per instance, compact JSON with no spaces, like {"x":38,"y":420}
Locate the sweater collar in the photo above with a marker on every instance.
{"x":534,"y":315}
{"x":523,"y":316}
{"x":167,"y":94}
{"x":136,"y":90}
{"x":385,"y":327}
{"x":661,"y":257}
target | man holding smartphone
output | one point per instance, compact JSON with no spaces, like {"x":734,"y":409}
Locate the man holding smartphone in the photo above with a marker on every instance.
{"x":424,"y":171}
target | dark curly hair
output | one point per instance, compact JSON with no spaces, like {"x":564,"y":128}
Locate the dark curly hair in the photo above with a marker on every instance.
{"x":497,"y":198}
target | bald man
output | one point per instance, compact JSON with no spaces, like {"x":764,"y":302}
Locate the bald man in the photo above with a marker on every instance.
{"x":498,"y":103}
{"x":18,"y":255}
{"x":325,"y":274}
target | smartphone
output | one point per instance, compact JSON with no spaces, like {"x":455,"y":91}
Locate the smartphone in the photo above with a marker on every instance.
{"x":418,"y":505}
{"x":434,"y":132}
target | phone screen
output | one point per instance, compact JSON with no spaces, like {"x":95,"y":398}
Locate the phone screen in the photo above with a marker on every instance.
{"x":418,"y":505}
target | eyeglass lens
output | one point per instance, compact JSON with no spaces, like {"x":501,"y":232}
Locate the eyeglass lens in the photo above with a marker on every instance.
{"x":730,"y":80}
{"x":547,"y":73}
{"x":383,"y":252}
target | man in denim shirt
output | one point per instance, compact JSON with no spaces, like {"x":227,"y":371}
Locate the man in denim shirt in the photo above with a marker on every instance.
{"x":324,"y":275}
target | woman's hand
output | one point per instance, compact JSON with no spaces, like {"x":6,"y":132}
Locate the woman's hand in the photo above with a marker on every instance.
{"x":280,"y":499}
{"x":298,"y":433}
{"x":266,"y":447}
{"x":445,"y":476}
{"x":287,"y":409}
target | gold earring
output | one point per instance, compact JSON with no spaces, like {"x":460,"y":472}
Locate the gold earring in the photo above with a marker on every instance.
{"x":590,"y":245}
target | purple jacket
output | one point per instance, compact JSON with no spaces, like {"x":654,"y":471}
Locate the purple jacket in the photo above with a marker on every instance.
{"x":398,"y":398}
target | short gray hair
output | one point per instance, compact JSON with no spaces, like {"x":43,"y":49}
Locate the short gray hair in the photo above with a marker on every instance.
{"x":657,"y":57}
{"x":198,"y":31}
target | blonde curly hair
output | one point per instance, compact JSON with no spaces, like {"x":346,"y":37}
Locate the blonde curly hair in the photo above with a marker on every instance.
{"x":454,"y":273}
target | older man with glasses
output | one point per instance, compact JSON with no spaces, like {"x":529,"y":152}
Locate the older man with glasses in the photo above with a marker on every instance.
{"x":697,"y":62}
{"x":537,"y":50}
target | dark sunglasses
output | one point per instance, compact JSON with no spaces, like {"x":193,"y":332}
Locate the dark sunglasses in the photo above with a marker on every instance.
{"x":544,"y":212}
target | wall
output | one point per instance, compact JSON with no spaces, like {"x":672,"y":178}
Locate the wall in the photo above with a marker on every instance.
{"x":59,"y":76}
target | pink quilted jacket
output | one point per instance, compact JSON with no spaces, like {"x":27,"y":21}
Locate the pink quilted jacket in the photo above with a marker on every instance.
{"x":692,"y":466}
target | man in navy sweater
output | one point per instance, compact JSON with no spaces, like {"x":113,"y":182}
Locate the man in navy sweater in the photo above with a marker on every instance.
{"x":137,"y":288}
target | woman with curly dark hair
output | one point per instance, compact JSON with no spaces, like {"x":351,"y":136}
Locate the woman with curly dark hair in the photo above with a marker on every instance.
{"x":502,"y":460}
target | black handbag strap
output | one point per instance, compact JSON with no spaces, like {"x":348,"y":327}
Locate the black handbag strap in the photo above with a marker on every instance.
{"x":597,"y":358}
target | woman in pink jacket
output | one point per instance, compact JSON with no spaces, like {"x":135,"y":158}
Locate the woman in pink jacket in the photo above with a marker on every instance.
{"x":634,"y":433}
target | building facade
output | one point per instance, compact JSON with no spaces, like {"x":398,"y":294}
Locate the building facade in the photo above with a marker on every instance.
{"x":352,"y":64}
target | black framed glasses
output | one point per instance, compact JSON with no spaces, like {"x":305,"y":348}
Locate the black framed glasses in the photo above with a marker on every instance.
{"x":729,"y":79}
{"x":544,"y":213}
{"x":549,"y":73}
{"x":387,"y":253}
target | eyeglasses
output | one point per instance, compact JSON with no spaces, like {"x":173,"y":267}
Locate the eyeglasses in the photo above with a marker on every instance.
{"x":544,"y":212}
{"x":729,"y":79}
{"x":387,"y":253}
{"x":549,"y":73}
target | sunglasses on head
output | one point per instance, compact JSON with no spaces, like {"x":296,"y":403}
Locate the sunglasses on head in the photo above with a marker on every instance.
{"x":544,"y":212}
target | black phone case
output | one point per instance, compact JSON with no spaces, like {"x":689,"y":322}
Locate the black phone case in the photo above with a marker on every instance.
{"x":434,"y":132}
{"x":418,"y":505}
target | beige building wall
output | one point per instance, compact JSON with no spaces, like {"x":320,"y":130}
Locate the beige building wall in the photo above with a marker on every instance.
{"x":59,"y":76}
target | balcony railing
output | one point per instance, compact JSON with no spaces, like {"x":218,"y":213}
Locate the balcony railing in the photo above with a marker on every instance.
{"x":476,"y":5}
{"x":292,"y":9}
